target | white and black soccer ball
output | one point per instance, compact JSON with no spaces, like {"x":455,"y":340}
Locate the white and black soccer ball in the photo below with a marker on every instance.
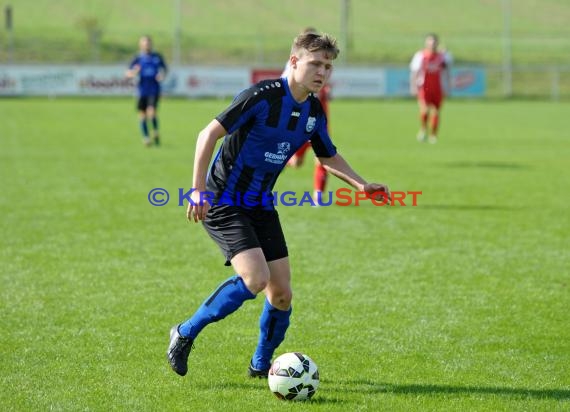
{"x":293,"y":376}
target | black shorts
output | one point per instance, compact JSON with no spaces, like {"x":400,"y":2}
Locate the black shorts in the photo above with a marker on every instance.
{"x":236,"y":229}
{"x":147,"y":101}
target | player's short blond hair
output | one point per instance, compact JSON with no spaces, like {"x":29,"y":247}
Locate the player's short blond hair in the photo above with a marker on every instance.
{"x":314,"y":42}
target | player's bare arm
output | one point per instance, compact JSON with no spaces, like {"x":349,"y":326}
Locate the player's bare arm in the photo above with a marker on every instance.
{"x":198,"y":208}
{"x":340,"y":168}
{"x":133,"y":72}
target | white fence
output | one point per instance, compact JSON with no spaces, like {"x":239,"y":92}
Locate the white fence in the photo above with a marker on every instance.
{"x":198,"y":81}
{"x":353,"y":82}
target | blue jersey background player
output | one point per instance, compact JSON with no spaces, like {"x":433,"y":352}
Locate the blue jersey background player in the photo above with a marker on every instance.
{"x":263,"y":128}
{"x":151,"y":69}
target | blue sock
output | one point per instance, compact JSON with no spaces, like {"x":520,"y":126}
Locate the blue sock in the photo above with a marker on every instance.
{"x":272,"y":325}
{"x":144,"y":128}
{"x":226,"y":299}
{"x":154,"y":121}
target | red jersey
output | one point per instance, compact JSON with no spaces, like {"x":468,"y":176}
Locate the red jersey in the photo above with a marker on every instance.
{"x":430,"y":67}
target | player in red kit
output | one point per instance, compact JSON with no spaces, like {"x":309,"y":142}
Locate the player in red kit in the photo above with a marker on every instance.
{"x":430,"y":80}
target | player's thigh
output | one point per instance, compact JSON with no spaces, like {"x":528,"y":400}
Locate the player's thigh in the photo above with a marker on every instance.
{"x":250,"y":264}
{"x":232,"y":230}
{"x":422,"y":104}
{"x":152,"y":105}
{"x":270,"y":235}
{"x":438,"y":103}
{"x":435,"y":105}
{"x":278,"y":290}
{"x":142,"y":104}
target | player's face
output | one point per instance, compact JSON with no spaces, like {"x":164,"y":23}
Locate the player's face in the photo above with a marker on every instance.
{"x":145,"y":44}
{"x":312,"y":69}
{"x":431,"y":43}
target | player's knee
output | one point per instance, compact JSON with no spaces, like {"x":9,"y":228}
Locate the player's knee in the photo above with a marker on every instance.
{"x":285,"y":298}
{"x":256,"y":282}
{"x":281,"y":299}
{"x":257,"y":285}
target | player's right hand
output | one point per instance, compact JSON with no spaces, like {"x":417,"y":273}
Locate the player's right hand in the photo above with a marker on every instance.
{"x":198,"y":207}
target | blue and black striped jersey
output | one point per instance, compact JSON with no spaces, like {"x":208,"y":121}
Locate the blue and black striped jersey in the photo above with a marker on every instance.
{"x":265,"y":128}
{"x":150,"y":65}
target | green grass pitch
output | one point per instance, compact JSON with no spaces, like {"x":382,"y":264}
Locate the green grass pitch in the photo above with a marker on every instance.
{"x":460,"y":303}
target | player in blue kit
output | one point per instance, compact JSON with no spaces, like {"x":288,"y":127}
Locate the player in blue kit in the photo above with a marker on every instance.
{"x":151,"y":69}
{"x":263,"y":128}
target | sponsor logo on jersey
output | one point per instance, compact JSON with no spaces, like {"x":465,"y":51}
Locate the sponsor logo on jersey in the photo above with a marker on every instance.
{"x":311,"y":121}
{"x":278,"y":158}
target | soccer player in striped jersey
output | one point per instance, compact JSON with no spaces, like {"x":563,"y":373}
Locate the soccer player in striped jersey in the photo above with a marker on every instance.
{"x":262,"y":129}
{"x":151,"y":69}
{"x":430,"y":82}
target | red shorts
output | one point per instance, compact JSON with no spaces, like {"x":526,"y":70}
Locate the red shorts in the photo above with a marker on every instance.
{"x":430,"y":97}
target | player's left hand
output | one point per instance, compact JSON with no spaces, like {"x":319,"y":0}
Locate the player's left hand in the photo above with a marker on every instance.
{"x":378,"y":191}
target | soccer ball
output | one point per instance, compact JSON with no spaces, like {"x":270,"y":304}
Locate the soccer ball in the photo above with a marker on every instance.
{"x":293,"y":376}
